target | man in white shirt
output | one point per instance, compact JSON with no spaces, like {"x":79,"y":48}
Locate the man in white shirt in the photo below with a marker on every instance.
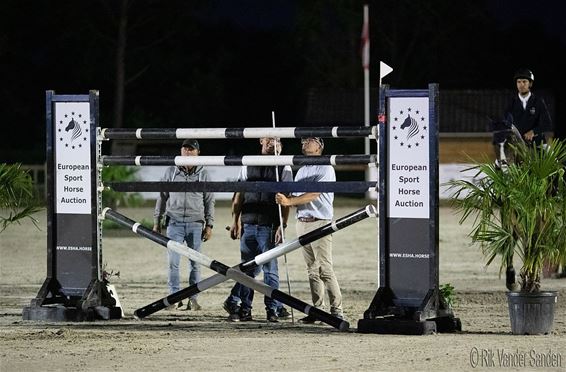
{"x":314,"y":210}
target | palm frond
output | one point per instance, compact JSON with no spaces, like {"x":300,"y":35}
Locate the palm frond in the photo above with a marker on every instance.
{"x":520,"y":211}
{"x":17,"y":195}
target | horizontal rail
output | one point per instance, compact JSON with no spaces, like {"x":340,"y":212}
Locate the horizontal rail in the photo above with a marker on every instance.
{"x":346,"y":187}
{"x":258,"y":160}
{"x":217,"y":133}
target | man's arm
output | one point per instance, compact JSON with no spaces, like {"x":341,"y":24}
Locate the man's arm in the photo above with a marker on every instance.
{"x":158,"y":214}
{"x":160,"y":204}
{"x":209,"y":202}
{"x":288,"y":201}
{"x":237,"y":201}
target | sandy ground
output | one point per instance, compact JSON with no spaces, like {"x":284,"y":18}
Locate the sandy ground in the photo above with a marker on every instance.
{"x":204,"y":340}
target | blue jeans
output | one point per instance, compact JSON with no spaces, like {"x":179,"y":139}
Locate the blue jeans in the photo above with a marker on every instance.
{"x":255,"y":240}
{"x":190,"y":232}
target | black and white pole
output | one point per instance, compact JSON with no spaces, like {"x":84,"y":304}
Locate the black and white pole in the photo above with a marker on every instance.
{"x":233,"y":133}
{"x":237,"y":272}
{"x":259,"y":160}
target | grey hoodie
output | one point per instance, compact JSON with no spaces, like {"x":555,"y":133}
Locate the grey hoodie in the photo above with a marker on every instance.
{"x":185,"y":206}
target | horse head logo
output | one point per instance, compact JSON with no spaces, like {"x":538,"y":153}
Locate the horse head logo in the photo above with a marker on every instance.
{"x":75,"y":127}
{"x":410,"y":123}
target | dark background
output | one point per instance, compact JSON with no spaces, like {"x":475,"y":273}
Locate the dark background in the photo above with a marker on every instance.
{"x":230,"y":63}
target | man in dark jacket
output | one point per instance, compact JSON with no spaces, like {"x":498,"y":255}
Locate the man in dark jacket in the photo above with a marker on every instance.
{"x":256,"y":223}
{"x":529,"y":112}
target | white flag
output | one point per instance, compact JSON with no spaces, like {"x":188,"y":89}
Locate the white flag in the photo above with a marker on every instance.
{"x":384,"y":70}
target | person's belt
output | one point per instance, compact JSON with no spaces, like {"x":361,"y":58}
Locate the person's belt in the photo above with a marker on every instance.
{"x":308,"y":219}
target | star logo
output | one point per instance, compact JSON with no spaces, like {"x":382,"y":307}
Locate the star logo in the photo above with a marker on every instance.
{"x":72,"y":130}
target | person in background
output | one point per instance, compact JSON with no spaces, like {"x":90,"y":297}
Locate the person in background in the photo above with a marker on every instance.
{"x":189,"y":217}
{"x":528,"y":111}
{"x":529,"y":114}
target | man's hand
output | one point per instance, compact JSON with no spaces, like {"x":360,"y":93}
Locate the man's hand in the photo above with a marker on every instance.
{"x":282,"y":200}
{"x":278,"y":236}
{"x":157,"y":228}
{"x":206,"y":233}
{"x":529,"y":135}
{"x":235,"y":231}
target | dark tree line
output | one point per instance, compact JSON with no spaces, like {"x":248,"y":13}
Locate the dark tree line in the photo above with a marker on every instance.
{"x":213,"y":63}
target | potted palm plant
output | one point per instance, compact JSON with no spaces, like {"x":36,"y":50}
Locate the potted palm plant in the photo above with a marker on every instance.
{"x":520,"y":212}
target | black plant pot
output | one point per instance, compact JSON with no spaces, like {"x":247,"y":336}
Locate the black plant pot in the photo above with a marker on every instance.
{"x":532,"y":313}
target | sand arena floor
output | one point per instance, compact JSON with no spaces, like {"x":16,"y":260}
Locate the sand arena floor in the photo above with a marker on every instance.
{"x":204,"y":340}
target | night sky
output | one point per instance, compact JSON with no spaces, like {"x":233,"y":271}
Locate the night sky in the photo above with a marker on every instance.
{"x":230,"y":63}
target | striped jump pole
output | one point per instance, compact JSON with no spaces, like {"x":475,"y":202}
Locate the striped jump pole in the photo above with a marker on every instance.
{"x":238,"y":272}
{"x":218,"y":133}
{"x":259,"y":160}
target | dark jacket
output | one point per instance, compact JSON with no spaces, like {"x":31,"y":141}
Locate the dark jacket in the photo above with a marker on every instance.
{"x":535,"y":116}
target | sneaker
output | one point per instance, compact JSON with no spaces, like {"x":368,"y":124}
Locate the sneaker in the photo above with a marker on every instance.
{"x":282,"y":313}
{"x":245,"y":315}
{"x":193,"y":305}
{"x":271,"y":316}
{"x":309,"y":319}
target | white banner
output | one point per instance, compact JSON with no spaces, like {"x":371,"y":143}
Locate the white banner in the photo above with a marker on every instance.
{"x":72,"y":157}
{"x":408,"y":172}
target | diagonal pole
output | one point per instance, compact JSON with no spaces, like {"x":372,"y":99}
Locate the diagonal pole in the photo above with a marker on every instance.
{"x":277,"y":152}
{"x":339,"y":224}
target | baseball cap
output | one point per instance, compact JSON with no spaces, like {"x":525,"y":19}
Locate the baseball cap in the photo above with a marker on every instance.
{"x":319,"y":140}
{"x":191,"y":143}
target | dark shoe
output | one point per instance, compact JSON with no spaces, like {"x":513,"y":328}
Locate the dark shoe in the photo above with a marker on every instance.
{"x":245,"y":315}
{"x":272,"y":317}
{"x":229,"y":308}
{"x":282,"y":313}
{"x":234,"y":317}
{"x":309,"y":319}
{"x":232,"y":310}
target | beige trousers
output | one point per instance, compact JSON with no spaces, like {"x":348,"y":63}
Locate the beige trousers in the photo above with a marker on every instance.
{"x":318,"y":257}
